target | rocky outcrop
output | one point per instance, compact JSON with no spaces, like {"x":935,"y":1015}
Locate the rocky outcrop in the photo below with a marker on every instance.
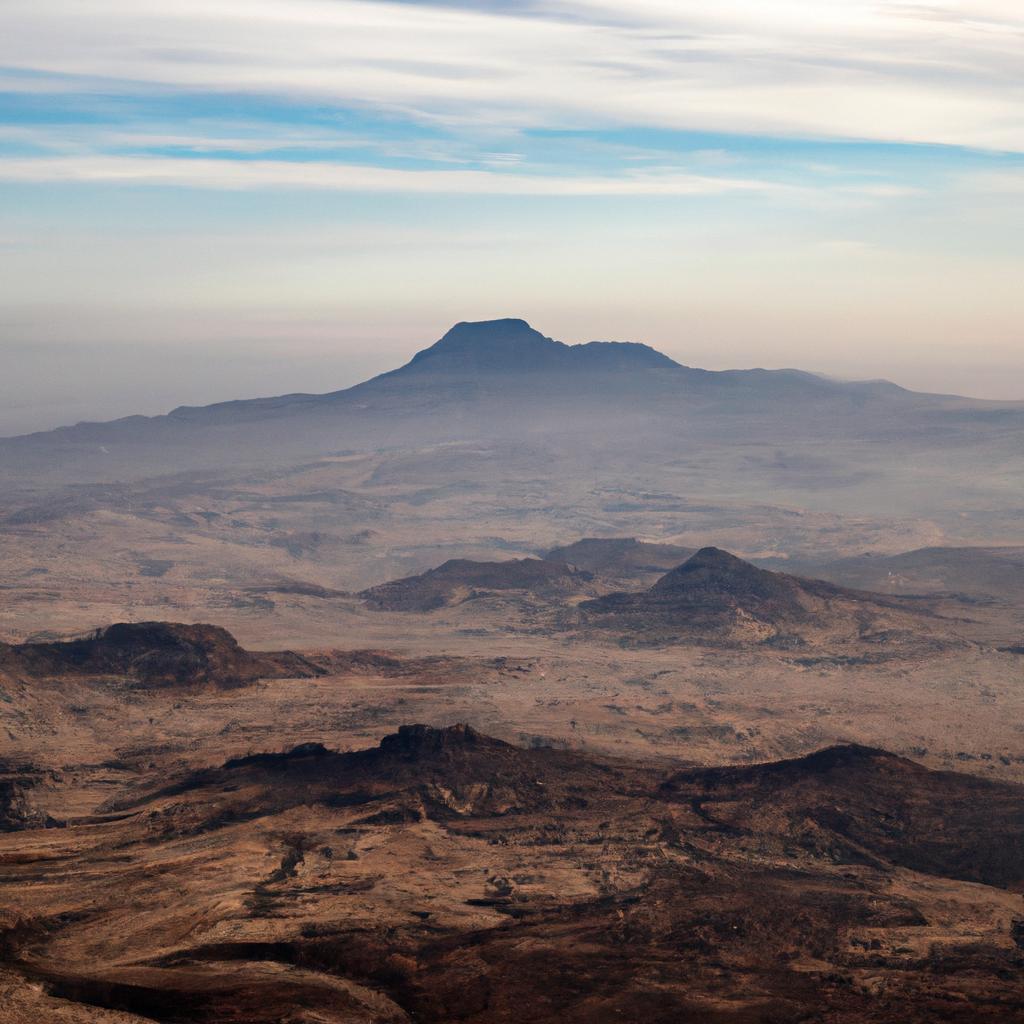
{"x":18,"y":800}
{"x":154,"y":654}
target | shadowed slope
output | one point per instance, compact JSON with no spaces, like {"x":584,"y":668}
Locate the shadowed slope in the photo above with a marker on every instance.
{"x":863,"y":805}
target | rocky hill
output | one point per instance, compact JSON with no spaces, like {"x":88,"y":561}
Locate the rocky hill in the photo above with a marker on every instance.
{"x":460,"y":579}
{"x":153,"y":654}
{"x":715,"y":597}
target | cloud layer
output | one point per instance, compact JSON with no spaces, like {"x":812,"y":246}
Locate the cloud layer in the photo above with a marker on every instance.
{"x":943,"y":72}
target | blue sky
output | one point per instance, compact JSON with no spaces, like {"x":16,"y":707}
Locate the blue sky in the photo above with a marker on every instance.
{"x":224,"y":198}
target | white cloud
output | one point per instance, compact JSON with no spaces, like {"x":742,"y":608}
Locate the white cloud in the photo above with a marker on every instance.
{"x":254,"y":174}
{"x":946,"y":71}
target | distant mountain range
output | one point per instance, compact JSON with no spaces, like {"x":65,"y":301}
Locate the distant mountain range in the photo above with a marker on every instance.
{"x":623,"y":409}
{"x":508,"y":349}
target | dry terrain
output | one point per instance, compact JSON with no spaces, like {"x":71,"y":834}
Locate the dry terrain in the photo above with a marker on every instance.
{"x":742,"y":655}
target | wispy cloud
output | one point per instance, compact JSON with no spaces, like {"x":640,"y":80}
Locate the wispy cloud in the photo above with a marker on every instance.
{"x":941,"y":72}
{"x":222,"y":174}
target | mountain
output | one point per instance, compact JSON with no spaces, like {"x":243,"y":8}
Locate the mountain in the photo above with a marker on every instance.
{"x":866,"y":805}
{"x":977,"y":572}
{"x":552,"y":411}
{"x":461,"y":579}
{"x":715,"y":597}
{"x":444,"y":875}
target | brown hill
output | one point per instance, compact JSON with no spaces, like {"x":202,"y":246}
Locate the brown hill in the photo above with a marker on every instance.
{"x":418,"y":772}
{"x":461,"y":579}
{"x":715,"y":597}
{"x":153,"y":654}
{"x":446,"y":876}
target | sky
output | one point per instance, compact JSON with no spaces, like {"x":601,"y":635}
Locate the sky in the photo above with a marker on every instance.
{"x":213,"y":199}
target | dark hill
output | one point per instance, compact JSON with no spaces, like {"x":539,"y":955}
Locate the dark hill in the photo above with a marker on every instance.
{"x":716,"y":597}
{"x":620,"y":556}
{"x":420,"y":771}
{"x":461,"y":579}
{"x":847,"y":803}
{"x":865,"y":805}
{"x":154,"y":654}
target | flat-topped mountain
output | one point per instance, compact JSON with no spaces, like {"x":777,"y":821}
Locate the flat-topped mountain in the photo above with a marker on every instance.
{"x":461,"y":579}
{"x":716,"y":597}
{"x":153,"y":654}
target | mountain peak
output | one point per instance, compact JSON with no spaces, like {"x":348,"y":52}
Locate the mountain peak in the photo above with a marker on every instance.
{"x":712,"y":566}
{"x":511,"y":345}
